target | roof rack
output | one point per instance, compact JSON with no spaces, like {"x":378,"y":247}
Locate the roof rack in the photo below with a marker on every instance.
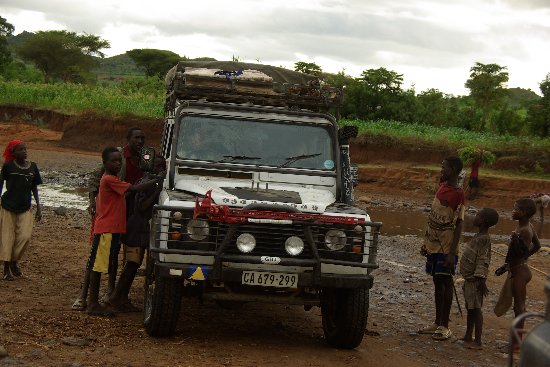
{"x":257,"y":84}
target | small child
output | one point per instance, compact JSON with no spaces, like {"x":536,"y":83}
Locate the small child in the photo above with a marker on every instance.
{"x":22,"y":178}
{"x":109,"y":225}
{"x":137,"y":238}
{"x":474,"y":266}
{"x":441,"y":242}
{"x":541,"y":201}
{"x":524,"y":242}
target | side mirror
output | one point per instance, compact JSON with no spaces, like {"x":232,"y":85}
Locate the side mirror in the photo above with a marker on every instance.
{"x":347,"y":132}
{"x":147,"y":159}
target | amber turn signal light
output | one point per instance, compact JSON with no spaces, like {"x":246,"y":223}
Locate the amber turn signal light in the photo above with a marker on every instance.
{"x":175,"y":236}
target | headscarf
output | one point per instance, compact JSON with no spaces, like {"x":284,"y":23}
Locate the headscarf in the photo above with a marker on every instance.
{"x":8,"y":152}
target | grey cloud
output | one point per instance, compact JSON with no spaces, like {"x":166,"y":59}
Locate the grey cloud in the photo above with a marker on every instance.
{"x":76,"y":16}
{"x":359,"y":28}
{"x":528,"y":4}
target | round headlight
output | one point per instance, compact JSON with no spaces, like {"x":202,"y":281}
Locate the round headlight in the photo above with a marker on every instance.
{"x":335,"y":239}
{"x":246,"y":242}
{"x":294,"y":245}
{"x":198,"y":229}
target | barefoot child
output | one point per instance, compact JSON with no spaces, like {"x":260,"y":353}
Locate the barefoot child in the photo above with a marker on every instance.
{"x":541,"y":201}
{"x":474,"y":266}
{"x":109,"y":225}
{"x":524,"y":242}
{"x":22,"y":178}
{"x":440,"y":244}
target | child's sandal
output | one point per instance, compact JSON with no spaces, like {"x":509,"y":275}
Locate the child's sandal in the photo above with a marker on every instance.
{"x":79,"y":305}
{"x":442,"y":333}
{"x":430,"y":329}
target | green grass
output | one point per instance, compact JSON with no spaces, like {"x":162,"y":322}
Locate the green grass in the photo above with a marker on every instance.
{"x":488,"y":172}
{"x":75,"y":98}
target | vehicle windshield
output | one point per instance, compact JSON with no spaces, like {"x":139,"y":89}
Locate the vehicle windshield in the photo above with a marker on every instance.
{"x":259,"y":143}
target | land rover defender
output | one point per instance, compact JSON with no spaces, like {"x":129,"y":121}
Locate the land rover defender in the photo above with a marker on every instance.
{"x":257,"y":203}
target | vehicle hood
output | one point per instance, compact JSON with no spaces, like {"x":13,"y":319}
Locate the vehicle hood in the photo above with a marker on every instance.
{"x":306,"y":198}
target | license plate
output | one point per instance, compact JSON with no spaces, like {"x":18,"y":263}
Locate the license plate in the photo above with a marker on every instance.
{"x":268,"y":279}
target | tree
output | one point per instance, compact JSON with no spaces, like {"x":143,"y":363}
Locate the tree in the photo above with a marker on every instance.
{"x":432,"y":106}
{"x":539,"y":112}
{"x":62,"y":54}
{"x":308,"y":68}
{"x":378,"y":94}
{"x":153,"y":61}
{"x":6,"y":30}
{"x":487,"y":85}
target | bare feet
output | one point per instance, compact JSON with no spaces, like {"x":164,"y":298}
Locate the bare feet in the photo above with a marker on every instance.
{"x":95,"y":309}
{"x":468,"y":342}
{"x":474,"y":345}
{"x":122,"y":306}
{"x":15,"y":270}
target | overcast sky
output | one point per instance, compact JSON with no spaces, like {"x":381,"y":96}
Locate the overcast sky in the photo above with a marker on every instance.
{"x":433,"y":43}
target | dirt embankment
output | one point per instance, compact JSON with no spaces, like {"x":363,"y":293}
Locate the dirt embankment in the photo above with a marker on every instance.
{"x":383,"y":149}
{"x":86,"y":131}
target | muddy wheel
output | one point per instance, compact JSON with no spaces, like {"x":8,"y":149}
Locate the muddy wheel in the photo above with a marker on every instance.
{"x":162,"y":303}
{"x":345,"y":313}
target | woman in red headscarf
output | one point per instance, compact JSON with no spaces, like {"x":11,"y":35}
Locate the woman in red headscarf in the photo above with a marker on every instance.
{"x":22,"y":179}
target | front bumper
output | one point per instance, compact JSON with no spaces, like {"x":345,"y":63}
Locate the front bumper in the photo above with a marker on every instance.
{"x":305,"y":280}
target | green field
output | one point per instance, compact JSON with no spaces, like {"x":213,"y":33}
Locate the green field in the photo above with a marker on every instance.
{"x":116,"y":101}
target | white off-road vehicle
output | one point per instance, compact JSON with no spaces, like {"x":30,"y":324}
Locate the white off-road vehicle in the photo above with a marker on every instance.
{"x":258,"y":201}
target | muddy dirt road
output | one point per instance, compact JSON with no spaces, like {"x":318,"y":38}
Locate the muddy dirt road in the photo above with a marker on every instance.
{"x":38,"y":328}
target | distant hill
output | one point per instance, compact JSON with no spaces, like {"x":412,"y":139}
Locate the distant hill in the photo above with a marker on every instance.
{"x":15,"y":41}
{"x":519,"y":97}
{"x":118,"y":66}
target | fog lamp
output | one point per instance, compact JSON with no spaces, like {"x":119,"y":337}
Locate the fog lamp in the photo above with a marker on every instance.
{"x":294,"y":245}
{"x":246,"y":242}
{"x":198,"y":229}
{"x":335,"y":239}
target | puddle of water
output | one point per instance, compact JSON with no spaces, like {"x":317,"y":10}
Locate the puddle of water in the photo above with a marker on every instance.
{"x":56,"y":195}
{"x":393,"y":263}
{"x":413,"y":222}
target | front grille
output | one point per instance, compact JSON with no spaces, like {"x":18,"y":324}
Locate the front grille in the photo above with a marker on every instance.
{"x":361,"y":240}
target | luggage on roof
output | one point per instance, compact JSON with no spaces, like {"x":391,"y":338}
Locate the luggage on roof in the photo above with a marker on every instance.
{"x":237,"y":82}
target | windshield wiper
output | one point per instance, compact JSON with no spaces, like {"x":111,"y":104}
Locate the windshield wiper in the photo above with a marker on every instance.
{"x":291,"y":160}
{"x":231,"y":158}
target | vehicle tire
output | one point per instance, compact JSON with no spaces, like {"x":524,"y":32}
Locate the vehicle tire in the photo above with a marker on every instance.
{"x":345,"y":313}
{"x":162,"y":303}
